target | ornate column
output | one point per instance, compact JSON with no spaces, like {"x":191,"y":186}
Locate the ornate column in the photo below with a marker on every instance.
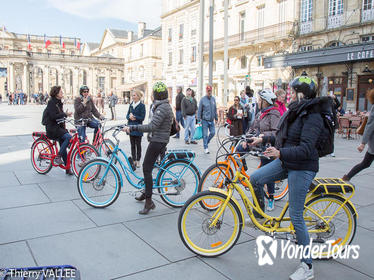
{"x":25,"y":80}
{"x":45,"y":79}
{"x":75,"y":82}
{"x":107,"y":80}
{"x":11,"y":80}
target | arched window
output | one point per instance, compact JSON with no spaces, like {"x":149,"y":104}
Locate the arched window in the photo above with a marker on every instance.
{"x":84,"y":77}
{"x":141,"y":73}
{"x":334,"y":44}
{"x":243,"y":62}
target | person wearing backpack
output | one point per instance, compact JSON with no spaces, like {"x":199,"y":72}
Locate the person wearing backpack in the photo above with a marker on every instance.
{"x":296,"y":152}
{"x":367,"y":138}
{"x":160,"y":129}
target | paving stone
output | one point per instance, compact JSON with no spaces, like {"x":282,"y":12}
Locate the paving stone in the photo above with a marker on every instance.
{"x":15,"y":255}
{"x":40,"y":220}
{"x":187,"y":269}
{"x":15,"y":196}
{"x":61,"y":190}
{"x":100,"y":253}
{"x":8,"y":178}
{"x":30,"y":176}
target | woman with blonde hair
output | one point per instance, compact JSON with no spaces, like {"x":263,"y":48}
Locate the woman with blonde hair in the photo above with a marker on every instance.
{"x":367,"y":138}
{"x":135,"y":116}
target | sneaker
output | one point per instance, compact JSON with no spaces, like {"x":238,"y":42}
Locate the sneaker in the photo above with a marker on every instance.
{"x":270,"y":205}
{"x":303,"y":272}
{"x":176,"y":137}
{"x":332,"y":155}
{"x":58,"y":160}
{"x":206,"y":151}
{"x":187,"y":142}
{"x":193,"y":142}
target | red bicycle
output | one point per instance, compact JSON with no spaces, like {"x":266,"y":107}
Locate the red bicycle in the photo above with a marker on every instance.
{"x":45,"y":150}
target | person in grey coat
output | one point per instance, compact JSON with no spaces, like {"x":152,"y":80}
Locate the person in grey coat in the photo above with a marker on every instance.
{"x":207,"y":114}
{"x":189,"y":108}
{"x":113,"y":99}
{"x":159,"y":129}
{"x":367,"y":138}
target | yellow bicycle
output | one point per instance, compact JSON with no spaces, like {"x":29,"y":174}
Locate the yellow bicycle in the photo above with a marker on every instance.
{"x":211,"y":231}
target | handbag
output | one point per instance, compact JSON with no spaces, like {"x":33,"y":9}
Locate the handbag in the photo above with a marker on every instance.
{"x":174,"y":127}
{"x":361,"y":128}
{"x":198,"y":132}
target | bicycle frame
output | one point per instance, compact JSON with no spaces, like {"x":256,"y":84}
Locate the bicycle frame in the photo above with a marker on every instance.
{"x":272,"y":224}
{"x":127,"y":170}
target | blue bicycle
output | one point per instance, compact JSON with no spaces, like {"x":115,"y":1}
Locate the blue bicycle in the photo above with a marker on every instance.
{"x":100,"y":180}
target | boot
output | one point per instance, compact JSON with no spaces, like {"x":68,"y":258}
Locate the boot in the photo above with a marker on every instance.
{"x":69,"y":172}
{"x":141,"y":197}
{"x":345,"y":178}
{"x":148,"y":206}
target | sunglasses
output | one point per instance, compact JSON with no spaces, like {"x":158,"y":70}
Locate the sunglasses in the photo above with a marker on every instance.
{"x":85,"y":91}
{"x":236,"y":100}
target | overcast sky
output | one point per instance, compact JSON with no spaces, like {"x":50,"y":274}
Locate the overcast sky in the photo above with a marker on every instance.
{"x":85,"y":19}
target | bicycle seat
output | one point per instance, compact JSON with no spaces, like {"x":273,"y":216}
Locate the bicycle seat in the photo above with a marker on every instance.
{"x":73,"y":131}
{"x":330,"y":185}
{"x":179,"y":154}
{"x":39,"y":134}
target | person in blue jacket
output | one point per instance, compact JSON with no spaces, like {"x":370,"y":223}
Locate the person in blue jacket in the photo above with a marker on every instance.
{"x":136,"y":116}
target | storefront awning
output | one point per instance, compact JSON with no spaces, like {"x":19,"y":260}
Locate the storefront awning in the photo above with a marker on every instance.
{"x":342,"y":54}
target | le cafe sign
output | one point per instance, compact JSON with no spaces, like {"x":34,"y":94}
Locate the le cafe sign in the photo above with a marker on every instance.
{"x":360,"y":55}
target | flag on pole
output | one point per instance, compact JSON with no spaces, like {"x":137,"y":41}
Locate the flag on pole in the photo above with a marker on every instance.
{"x":28,"y":42}
{"x":77,"y":44}
{"x":62,"y":43}
{"x":47,"y":42}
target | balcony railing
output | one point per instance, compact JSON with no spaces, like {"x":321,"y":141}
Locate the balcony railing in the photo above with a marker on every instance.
{"x":256,"y":36}
{"x":306,"y":27}
{"x":39,"y":55}
{"x":367,"y":15}
{"x":335,"y":21}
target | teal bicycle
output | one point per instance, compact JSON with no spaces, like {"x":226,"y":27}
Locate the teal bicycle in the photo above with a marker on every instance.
{"x":176,"y":177}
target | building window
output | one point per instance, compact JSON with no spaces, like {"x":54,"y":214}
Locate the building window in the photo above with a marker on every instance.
{"x":181,"y":30}
{"x":282,"y":11}
{"x":242,"y":25}
{"x":122,"y":81}
{"x":130,"y":53}
{"x":335,"y":7}
{"x":84,"y":77}
{"x":214,"y":66}
{"x":72,"y":52}
{"x":101,"y":83}
{"x":368,"y":5}
{"x":306,"y":10}
{"x":243,"y":62}
{"x":141,"y":73}
{"x":180,"y":56}
{"x":367,"y":10}
{"x":334,"y":44}
{"x":193,"y":54}
{"x":260,"y":16}
{"x":305,"y":48}
{"x":141,"y":50}
{"x":170,"y":33}
{"x":367,"y":38}
{"x":193,"y":32}
{"x":260,"y":60}
{"x":170,"y":62}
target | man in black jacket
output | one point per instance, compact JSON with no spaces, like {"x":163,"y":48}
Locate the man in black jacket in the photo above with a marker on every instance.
{"x":178,"y":109}
{"x":189,"y":109}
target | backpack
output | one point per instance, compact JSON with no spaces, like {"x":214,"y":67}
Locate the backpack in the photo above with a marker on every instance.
{"x":45,"y":117}
{"x":174,"y":127}
{"x":325,"y":142}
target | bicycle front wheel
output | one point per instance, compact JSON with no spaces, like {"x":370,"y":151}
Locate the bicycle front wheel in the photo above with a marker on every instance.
{"x":41,"y":156}
{"x":280,"y":189}
{"x":99,"y":183}
{"x":198,"y":233}
{"x":106,"y":146}
{"x":179,"y":180}
{"x":326,"y":222}
{"x":81,"y":156}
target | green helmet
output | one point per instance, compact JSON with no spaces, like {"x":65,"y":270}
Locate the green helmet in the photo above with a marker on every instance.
{"x":83,"y":88}
{"x":305,"y":85}
{"x":160,"y":91}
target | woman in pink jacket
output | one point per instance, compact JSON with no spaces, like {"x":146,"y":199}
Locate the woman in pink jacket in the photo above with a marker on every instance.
{"x":281,"y":98}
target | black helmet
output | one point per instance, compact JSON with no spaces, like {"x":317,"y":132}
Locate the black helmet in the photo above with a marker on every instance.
{"x":305,"y":85}
{"x":83,"y":88}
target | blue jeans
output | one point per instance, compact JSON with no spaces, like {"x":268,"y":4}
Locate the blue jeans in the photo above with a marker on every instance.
{"x":179,"y":119}
{"x":82,"y":129}
{"x":206,"y":138}
{"x":298,"y":184}
{"x":64,"y":143}
{"x":189,"y":131}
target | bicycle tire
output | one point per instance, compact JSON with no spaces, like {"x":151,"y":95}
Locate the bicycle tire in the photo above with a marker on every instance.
{"x":103,"y":148}
{"x":348,"y":210}
{"x":83,"y":177}
{"x":283,"y":192}
{"x":214,"y":247}
{"x":168,"y":197}
{"x":74,"y":159}
{"x":33,"y":150}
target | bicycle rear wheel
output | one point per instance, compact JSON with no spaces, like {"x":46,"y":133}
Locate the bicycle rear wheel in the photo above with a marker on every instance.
{"x":81,"y":156}
{"x":181,"y":181}
{"x":339,"y":229}
{"x":99,"y":183}
{"x":41,"y":156}
{"x":197,"y":232}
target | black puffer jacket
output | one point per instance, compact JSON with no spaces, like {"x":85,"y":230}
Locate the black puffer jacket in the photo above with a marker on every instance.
{"x":303,"y":124}
{"x":160,"y":124}
{"x":55,"y":112}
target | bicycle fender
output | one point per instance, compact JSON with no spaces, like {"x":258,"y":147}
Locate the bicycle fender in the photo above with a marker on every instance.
{"x":233,"y":199}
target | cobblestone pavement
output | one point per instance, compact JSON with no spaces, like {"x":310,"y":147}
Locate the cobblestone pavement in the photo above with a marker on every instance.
{"x":43,"y":221}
